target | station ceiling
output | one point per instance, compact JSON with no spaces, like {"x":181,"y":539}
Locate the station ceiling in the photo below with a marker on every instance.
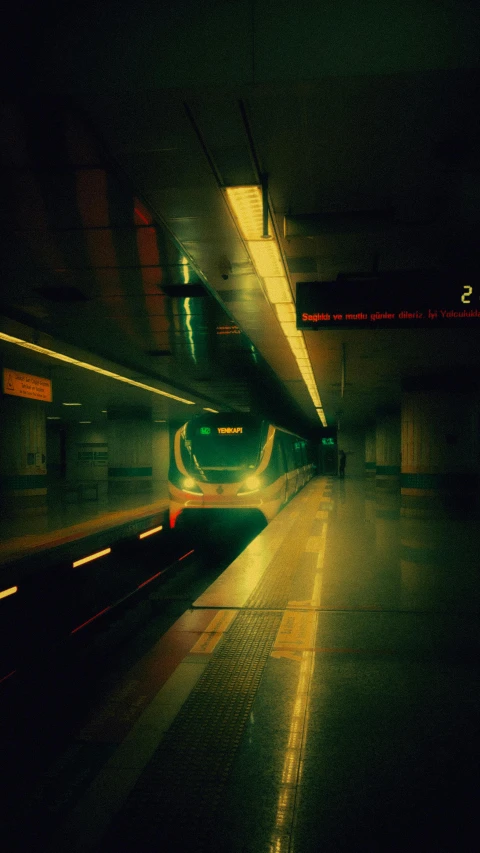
{"x":122,"y":127}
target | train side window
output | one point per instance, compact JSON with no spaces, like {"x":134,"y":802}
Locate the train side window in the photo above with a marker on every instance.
{"x":297,"y":454}
{"x":278,"y":459}
{"x":303,"y":452}
{"x":288,"y":446}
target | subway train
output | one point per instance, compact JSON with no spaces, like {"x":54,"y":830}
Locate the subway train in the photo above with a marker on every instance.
{"x":224,"y":466}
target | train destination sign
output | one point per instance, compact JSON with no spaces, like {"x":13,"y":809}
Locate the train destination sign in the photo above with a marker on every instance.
{"x":26,"y":385}
{"x":235,"y":430}
{"x":389,"y":302}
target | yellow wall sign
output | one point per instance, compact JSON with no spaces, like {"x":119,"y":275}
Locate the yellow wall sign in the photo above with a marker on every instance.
{"x":26,"y":385}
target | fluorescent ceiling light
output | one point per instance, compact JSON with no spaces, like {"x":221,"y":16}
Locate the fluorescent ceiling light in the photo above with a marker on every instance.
{"x":290,"y":329}
{"x":71,"y":404}
{"x":86,"y":366}
{"x":266,"y":257}
{"x":285,"y":311}
{"x":206,"y":409}
{"x":278,"y":289}
{"x":298,"y":347}
{"x":84,"y":422}
{"x":246,"y":203}
{"x":247,"y":206}
{"x":53,"y":418}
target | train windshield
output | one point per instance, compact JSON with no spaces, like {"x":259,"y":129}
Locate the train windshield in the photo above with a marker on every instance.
{"x":226,"y":445}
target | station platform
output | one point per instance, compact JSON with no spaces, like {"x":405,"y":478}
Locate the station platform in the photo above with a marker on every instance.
{"x":321,"y":695}
{"x":29,"y":542}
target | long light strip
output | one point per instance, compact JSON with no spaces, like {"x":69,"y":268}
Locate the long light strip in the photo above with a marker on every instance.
{"x":10,"y":591}
{"x":246,"y":203}
{"x":91,"y":557}
{"x":150,"y":532}
{"x":86,"y":366}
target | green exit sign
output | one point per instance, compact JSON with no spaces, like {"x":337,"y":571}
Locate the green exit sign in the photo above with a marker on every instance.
{"x":328,"y":441}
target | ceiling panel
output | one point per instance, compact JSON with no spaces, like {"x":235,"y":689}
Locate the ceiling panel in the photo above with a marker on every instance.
{"x":114,"y":187}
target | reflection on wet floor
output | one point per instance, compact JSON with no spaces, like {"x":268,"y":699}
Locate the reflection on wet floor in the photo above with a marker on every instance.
{"x":27,"y":532}
{"x":365,"y":739}
{"x":406,"y":562}
{"x":324,"y":695}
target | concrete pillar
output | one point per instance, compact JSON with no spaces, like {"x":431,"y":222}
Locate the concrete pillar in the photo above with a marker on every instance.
{"x":23,"y":461}
{"x":130,"y":450}
{"x":439,"y":453}
{"x":387,"y":453}
{"x":352,"y":442}
{"x":86,"y":462}
{"x":370,"y":458}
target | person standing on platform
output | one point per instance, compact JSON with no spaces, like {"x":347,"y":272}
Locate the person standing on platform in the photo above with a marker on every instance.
{"x":342,"y":459}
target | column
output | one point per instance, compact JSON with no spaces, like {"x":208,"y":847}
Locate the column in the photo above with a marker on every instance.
{"x":23,"y":462}
{"x":387,"y":453}
{"x":130,"y":450}
{"x":439,"y":453}
{"x":370,"y":458}
{"x":86,"y":462}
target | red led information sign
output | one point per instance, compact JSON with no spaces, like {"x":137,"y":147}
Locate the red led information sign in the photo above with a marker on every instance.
{"x":391,"y":301}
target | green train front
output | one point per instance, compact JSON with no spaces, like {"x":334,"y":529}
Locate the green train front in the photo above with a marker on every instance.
{"x":233,"y":463}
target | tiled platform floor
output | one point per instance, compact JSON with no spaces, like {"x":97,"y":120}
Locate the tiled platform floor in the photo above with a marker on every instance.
{"x":321,"y":695}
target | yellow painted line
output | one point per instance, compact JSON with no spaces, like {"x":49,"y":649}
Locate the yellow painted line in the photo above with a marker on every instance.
{"x":214,"y":632}
{"x":295,"y":634}
{"x":322,"y":513}
{"x":317,"y":590}
{"x":314,"y":543}
{"x":321,"y":550}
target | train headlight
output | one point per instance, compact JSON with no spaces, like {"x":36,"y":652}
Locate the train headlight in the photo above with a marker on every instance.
{"x":189,"y":485}
{"x":250,"y":484}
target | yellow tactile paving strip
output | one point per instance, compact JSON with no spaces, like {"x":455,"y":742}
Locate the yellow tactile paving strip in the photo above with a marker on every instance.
{"x":256,"y":572}
{"x":172,"y":784}
{"x":214,"y":632}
